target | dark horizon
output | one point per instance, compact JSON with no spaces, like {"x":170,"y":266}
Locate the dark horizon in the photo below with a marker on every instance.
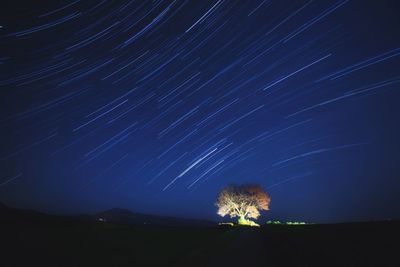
{"x":155,"y":107}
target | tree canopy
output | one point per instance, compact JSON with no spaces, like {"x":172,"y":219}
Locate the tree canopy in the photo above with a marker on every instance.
{"x":243,"y":201}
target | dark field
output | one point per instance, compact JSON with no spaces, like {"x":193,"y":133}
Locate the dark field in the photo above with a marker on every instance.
{"x":57,"y":241}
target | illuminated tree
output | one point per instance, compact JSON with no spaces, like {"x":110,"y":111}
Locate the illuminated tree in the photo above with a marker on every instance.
{"x":244,"y":202}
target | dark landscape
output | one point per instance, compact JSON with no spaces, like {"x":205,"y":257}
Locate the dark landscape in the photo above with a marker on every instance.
{"x":34,"y":239}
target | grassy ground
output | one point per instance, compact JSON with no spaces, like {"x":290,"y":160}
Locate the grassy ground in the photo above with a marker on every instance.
{"x":108,"y":245}
{"x":102,"y":244}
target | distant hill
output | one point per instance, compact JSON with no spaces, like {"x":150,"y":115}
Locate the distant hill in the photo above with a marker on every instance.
{"x":123,"y":216}
{"x":13,"y":216}
{"x":2,"y":206}
{"x":115,"y":216}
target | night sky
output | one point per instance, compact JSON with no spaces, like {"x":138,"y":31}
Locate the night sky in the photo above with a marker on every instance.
{"x":155,"y":106}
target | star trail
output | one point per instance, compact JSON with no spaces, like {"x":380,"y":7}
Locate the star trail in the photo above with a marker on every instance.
{"x":155,"y":106}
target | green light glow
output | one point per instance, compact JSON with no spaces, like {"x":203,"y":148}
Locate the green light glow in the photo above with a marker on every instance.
{"x":287,"y":223}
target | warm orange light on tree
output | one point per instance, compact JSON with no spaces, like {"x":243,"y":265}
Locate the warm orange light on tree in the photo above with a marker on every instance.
{"x":244,"y":202}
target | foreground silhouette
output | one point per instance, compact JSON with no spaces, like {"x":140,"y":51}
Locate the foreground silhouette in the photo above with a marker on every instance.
{"x":34,"y":239}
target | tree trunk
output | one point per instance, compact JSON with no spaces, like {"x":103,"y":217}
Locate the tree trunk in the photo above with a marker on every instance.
{"x":242,"y":220}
